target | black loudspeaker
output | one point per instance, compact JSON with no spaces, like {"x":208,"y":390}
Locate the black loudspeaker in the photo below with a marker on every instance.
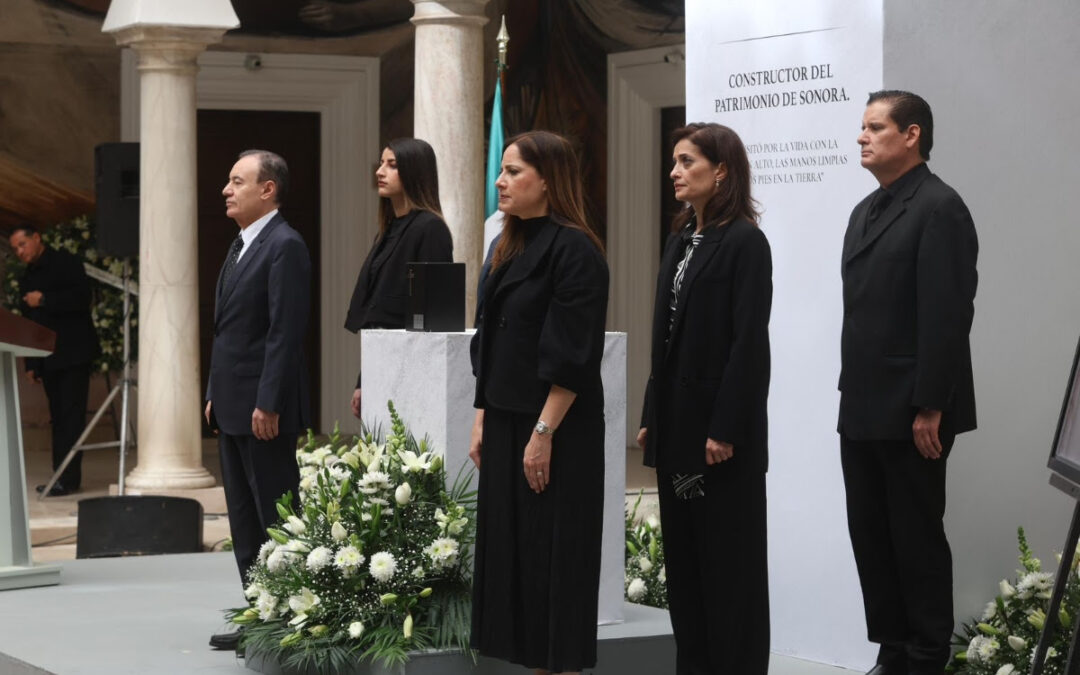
{"x":436,"y":297}
{"x":116,"y":182}
{"x":111,"y":527}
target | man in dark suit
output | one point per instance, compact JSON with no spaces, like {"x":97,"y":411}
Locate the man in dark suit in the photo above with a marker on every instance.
{"x":906,"y":382}
{"x":257,"y":391}
{"x":56,"y":293}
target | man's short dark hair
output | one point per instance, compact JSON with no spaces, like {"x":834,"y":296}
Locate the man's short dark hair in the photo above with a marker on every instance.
{"x":906,"y":109}
{"x":272,"y":166}
{"x":26,"y":228}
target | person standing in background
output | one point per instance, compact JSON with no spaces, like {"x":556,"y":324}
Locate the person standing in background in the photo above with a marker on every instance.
{"x":56,"y":293}
{"x":411,"y":229}
{"x":906,"y":385}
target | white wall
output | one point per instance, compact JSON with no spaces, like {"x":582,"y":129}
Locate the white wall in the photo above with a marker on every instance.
{"x":1001,"y":79}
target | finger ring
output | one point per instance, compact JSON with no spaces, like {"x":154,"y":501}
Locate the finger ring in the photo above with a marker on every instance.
{"x":540,"y":473}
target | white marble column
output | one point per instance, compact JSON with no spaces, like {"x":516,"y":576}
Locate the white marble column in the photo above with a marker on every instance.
{"x":170,"y":401}
{"x":449,"y":114}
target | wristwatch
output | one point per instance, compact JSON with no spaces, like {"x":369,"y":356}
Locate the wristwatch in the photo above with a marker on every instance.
{"x":542,"y":428}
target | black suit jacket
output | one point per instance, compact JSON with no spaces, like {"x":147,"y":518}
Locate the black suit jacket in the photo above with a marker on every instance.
{"x":710,"y":378}
{"x":62,"y":280}
{"x":260,"y":318}
{"x":381,"y":296}
{"x":909,"y":292}
{"x":542,"y":324}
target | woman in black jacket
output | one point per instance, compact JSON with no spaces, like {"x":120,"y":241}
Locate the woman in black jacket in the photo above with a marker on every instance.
{"x":540,"y":418}
{"x":411,"y":229}
{"x":704,"y":425}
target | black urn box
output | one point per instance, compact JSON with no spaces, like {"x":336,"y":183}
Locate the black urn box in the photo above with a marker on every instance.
{"x":436,"y":297}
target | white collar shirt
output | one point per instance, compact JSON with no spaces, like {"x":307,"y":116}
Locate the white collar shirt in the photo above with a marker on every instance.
{"x":249,"y":233}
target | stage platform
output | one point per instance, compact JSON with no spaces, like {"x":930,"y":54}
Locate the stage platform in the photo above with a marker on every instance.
{"x":154,"y":614}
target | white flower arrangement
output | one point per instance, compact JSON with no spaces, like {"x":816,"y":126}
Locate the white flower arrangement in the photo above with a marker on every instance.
{"x":1003,"y":640}
{"x":646,"y":575}
{"x":373,"y":563}
{"x":107,"y":303}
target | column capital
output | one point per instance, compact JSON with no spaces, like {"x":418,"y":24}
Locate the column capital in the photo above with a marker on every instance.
{"x":450,"y":12}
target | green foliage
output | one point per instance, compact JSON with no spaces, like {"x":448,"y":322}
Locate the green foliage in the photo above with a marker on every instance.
{"x":107,"y":303}
{"x":646,"y":575}
{"x":373,"y":561}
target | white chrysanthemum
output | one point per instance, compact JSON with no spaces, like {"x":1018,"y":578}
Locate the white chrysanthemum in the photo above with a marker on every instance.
{"x":252,"y":591}
{"x":645,"y":564}
{"x":373,"y":482}
{"x":306,"y":483}
{"x":319,"y":558}
{"x":982,"y":649}
{"x":413,"y":463}
{"x":989,"y":611}
{"x":636,"y":590}
{"x":356,"y":629}
{"x":267,"y":606}
{"x":266,"y":549}
{"x":418,"y":573}
{"x":348,"y":559}
{"x":302,"y":603}
{"x":382,"y":567}
{"x":338,"y":531}
{"x":366,"y":517}
{"x":403,"y":494}
{"x":295,"y":526}
{"x":443,"y":552}
{"x":338,"y":473}
{"x":308,"y":471}
{"x":372,"y":501}
{"x":276,"y":560}
{"x":1035,"y":584}
{"x":319,"y":455}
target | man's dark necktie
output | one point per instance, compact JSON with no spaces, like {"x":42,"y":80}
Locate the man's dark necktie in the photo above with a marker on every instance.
{"x":878,"y":204}
{"x":230,"y":262}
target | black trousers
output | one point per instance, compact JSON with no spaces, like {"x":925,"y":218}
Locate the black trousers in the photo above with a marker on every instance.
{"x":895,"y":508}
{"x":67,"y":390}
{"x":256,"y":473}
{"x":717,"y":564}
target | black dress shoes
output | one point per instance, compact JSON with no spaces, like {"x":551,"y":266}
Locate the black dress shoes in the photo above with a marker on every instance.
{"x":57,"y":490}
{"x":226,"y":641}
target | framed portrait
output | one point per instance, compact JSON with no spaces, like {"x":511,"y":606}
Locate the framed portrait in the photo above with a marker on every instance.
{"x":1065,"y":453}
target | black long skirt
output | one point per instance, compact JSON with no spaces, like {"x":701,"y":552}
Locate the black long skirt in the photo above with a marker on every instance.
{"x":537,"y":570}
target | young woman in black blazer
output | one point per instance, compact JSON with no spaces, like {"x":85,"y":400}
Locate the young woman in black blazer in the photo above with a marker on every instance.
{"x":704,"y":425}
{"x":540,"y":418}
{"x":411,"y":229}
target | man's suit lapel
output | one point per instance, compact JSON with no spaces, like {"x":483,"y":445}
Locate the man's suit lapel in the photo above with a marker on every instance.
{"x":521,"y":267}
{"x":250,"y":255}
{"x":710,"y":244}
{"x":889,"y":216}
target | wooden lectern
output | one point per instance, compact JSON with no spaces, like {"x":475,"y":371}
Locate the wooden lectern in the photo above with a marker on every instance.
{"x":18,"y":337}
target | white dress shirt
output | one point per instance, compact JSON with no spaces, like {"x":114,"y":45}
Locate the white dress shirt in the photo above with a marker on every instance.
{"x":249,"y":233}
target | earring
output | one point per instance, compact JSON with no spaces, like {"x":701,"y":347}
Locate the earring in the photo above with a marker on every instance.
{"x":717,"y":182}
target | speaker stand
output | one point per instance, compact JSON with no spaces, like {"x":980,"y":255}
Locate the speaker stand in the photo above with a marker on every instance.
{"x":122,"y":387}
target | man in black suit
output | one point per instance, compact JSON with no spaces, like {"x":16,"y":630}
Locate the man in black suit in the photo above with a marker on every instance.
{"x":257,"y":391}
{"x":56,"y":293}
{"x":906,"y":382}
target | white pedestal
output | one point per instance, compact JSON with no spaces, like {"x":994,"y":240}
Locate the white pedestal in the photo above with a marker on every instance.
{"x":429,"y":378}
{"x":17,"y":568}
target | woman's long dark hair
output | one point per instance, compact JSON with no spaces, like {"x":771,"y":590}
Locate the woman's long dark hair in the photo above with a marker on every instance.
{"x":553,"y":158}
{"x":419,"y":176}
{"x":732,"y":199}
